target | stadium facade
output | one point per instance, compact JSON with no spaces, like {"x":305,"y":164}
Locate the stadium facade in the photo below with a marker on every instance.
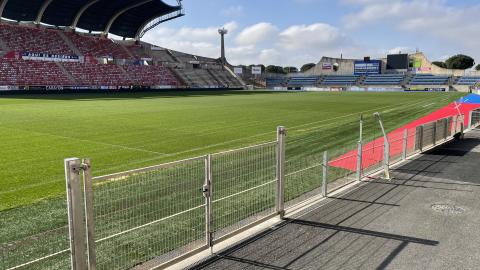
{"x":64,"y":44}
{"x":396,"y":72}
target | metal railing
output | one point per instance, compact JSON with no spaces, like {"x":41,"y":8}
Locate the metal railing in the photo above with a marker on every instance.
{"x":474,"y":119}
{"x":156,"y":216}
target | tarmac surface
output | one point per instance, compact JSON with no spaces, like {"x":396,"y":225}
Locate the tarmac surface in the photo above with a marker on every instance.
{"x":428,"y":217}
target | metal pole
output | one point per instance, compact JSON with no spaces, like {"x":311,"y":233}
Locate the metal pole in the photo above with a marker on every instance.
{"x":462,"y":130}
{"x":470,"y":123}
{"x":325,"y":175}
{"x":75,"y":214}
{"x":281,"y":134}
{"x":445,"y":129}
{"x":434,"y":133}
{"x":88,"y":197}
{"x":359,"y":161}
{"x":405,"y":145}
{"x":207,"y":193}
{"x":387,"y":160}
{"x":421,"y":138}
{"x":386,"y":163}
{"x":360,"y":151}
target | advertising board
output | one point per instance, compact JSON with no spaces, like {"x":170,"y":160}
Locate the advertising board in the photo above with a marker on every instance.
{"x":367,"y":67}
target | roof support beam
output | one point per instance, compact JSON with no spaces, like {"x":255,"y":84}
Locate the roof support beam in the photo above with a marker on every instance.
{"x":115,"y":16}
{"x":41,"y":11}
{"x":139,"y":31}
{"x":3,"y":3}
{"x":80,"y":13}
{"x":161,"y":19}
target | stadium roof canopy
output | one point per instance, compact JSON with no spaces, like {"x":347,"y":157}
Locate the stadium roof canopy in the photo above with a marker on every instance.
{"x":126,"y":18}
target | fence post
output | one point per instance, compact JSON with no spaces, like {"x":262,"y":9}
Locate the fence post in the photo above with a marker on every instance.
{"x":281,"y":135}
{"x":75,"y":213}
{"x":462,"y":130}
{"x":360,"y":151}
{"x":207,"y":193}
{"x":325,"y":175}
{"x":387,"y":158}
{"x":405,"y":145}
{"x":359,"y":161}
{"x":420,"y":139}
{"x":434,"y":133}
{"x":445,"y":129}
{"x":88,"y":198}
{"x":470,"y":122}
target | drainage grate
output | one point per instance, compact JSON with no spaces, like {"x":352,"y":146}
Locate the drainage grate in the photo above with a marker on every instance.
{"x":448,"y":209}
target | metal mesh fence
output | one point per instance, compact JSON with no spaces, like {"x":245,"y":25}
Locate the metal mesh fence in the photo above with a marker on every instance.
{"x":304,"y":156}
{"x":428,"y":134}
{"x":243,"y":187}
{"x":143,"y":214}
{"x":36,"y":237}
{"x":475,"y":121}
{"x":396,"y":146}
{"x":342,"y":166}
{"x":373,"y":156}
{"x":411,"y":141}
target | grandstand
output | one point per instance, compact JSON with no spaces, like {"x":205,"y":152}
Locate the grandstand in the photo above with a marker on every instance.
{"x":303,"y":81}
{"x":334,"y":80}
{"x":469,"y":80}
{"x":429,"y":79}
{"x":41,"y":50}
{"x":384,"y":79}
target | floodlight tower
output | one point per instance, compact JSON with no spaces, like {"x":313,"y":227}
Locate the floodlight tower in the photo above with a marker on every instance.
{"x":222,"y":33}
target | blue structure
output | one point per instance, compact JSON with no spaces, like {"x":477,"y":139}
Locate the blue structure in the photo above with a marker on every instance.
{"x":428,"y":79}
{"x":386,"y":79}
{"x":468,"y":80}
{"x":340,"y":80}
{"x":303,"y":81}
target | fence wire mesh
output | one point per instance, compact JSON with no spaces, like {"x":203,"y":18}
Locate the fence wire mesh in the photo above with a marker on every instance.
{"x":35,"y":238}
{"x":243,"y":187}
{"x":411,"y":141}
{"x":145,"y":214}
{"x":304,"y":156}
{"x":475,"y":121}
{"x":342,"y":166}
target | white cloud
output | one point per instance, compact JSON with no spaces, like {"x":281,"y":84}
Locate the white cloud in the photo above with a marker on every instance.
{"x":257,"y":33}
{"x":264,"y":43}
{"x":433,"y":19}
{"x":315,"y":36}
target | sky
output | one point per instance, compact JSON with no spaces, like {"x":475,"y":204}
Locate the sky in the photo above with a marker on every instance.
{"x":295,"y":32}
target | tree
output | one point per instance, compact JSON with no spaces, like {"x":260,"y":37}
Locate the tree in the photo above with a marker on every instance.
{"x":275,"y":69}
{"x":460,"y":61}
{"x":307,"y":67}
{"x":477,"y":67}
{"x":440,"y":64}
{"x":290,"y":70}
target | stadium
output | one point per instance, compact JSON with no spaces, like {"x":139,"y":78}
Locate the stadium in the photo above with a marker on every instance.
{"x":121,"y":154}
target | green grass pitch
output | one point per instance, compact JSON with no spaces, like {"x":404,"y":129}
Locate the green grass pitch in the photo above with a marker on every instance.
{"x":126,"y":131}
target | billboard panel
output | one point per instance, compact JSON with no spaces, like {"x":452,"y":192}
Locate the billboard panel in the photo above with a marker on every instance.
{"x":397,"y":61}
{"x":256,"y":70}
{"x":238,"y":70}
{"x":327,"y":66}
{"x":367,"y":67}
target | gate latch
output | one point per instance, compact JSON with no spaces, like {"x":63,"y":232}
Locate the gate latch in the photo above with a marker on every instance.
{"x":206,"y":190}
